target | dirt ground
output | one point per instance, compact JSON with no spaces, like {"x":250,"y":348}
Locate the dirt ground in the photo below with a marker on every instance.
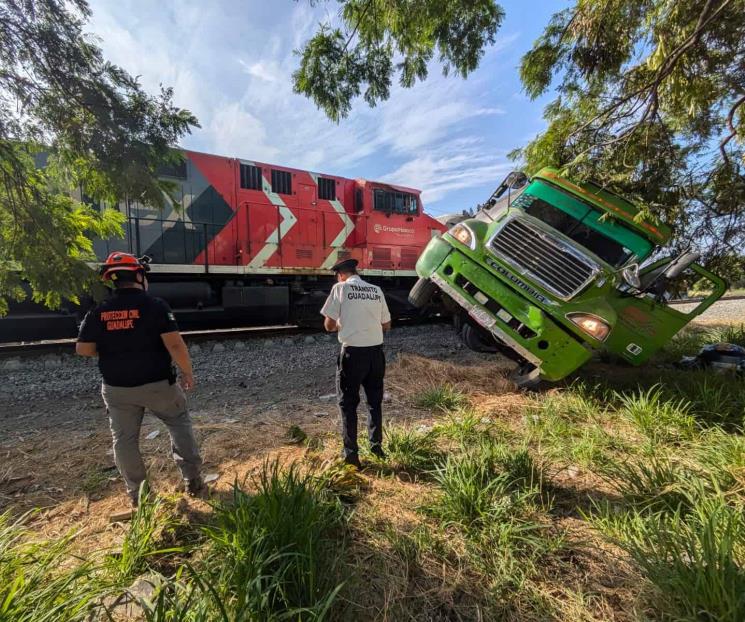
{"x":56,"y":455}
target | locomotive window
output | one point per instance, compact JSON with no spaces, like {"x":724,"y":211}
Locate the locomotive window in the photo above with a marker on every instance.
{"x":251,"y":177}
{"x":395,"y":202}
{"x":172,"y":169}
{"x":281,"y":182}
{"x":326,"y":189}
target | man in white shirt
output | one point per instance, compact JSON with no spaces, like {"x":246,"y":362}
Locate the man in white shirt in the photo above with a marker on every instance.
{"x":357,"y":311}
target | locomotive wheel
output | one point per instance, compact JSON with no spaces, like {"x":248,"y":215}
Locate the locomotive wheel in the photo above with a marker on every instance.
{"x":474,"y":340}
{"x":422,"y":293}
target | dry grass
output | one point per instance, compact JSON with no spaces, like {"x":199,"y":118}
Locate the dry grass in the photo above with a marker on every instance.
{"x":402,"y":562}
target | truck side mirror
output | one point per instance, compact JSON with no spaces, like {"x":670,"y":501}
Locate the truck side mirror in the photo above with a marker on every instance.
{"x":630,"y":275}
{"x":680,"y":264}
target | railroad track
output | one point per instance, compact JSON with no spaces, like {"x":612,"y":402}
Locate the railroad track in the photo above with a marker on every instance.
{"x":67,"y":346}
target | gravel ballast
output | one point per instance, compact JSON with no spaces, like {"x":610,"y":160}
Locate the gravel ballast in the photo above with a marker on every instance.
{"x":30,"y":379}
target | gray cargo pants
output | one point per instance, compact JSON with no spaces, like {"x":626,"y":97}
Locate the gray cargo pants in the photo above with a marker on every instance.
{"x":126,"y":407}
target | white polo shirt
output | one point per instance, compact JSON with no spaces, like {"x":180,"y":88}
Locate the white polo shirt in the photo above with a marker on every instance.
{"x":360,"y":310}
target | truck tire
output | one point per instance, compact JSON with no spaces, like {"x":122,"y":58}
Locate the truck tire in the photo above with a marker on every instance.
{"x":422,"y":293}
{"x":474,"y":340}
{"x":525,"y":377}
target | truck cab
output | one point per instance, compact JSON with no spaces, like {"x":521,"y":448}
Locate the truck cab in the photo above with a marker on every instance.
{"x":548,"y":271}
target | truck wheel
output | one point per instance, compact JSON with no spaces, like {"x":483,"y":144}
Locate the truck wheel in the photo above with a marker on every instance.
{"x":422,"y":293}
{"x":526,"y":377}
{"x":474,"y":340}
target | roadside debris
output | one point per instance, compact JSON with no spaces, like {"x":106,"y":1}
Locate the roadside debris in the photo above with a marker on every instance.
{"x":720,"y":357}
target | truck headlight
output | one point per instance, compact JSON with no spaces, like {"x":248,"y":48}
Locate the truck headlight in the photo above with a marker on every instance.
{"x":464,"y":235}
{"x":591,"y":324}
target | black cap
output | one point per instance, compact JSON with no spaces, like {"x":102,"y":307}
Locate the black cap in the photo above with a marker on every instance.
{"x":346,"y":265}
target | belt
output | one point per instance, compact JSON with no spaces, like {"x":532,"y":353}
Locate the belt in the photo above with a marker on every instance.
{"x":346,"y":347}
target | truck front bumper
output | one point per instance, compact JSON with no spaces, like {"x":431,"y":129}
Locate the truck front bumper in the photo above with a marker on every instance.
{"x":510,"y":317}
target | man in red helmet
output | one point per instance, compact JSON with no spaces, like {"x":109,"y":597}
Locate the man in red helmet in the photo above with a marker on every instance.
{"x":137,"y":340}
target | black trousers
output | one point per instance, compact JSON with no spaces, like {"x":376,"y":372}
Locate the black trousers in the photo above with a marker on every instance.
{"x":363,"y":367}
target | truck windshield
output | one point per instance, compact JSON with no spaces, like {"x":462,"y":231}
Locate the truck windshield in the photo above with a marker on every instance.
{"x":581,"y":223}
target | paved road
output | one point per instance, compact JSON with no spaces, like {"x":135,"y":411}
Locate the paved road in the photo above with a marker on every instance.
{"x":722,"y":311}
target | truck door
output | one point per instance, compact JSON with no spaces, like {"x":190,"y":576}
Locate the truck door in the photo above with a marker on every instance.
{"x":648,"y":322}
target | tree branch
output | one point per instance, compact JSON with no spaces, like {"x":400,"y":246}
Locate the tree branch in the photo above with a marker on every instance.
{"x":732,"y":128}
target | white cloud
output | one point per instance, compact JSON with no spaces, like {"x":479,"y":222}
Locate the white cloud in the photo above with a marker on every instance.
{"x":455,"y":165}
{"x":232,"y":67}
{"x":263,"y":71}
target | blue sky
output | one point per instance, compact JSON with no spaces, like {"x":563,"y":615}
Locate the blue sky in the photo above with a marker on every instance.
{"x":230,"y":62}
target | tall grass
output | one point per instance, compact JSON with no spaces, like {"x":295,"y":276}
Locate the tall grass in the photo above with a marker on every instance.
{"x":141,"y":542}
{"x":660,"y":419}
{"x":273,"y":554}
{"x":695,"y":561}
{"x":721,"y":456}
{"x":653,"y":484}
{"x":569,"y":425}
{"x":444,"y":398}
{"x":411,"y":449}
{"x":482,"y":483}
{"x":37,"y":581}
{"x":463,"y":425}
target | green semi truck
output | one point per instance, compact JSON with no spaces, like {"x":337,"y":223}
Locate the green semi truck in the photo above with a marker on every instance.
{"x":551,"y":270}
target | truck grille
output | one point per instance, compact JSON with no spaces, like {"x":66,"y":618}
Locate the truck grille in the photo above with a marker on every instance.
{"x":547,"y":259}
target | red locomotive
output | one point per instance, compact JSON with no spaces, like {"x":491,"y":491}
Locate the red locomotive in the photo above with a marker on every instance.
{"x":252,"y":243}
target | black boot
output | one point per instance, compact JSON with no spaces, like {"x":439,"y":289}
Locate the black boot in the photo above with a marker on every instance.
{"x":195,"y":487}
{"x":353,"y":460}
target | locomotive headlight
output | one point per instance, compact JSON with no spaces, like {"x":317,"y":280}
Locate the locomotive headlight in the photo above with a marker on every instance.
{"x":593,"y":325}
{"x":464,"y":235}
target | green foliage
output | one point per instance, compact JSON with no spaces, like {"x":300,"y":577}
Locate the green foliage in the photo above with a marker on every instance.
{"x":656,"y":483}
{"x":140,"y":542}
{"x":408,"y":448}
{"x":274,"y":553}
{"x":462,"y":425}
{"x":381,"y":38}
{"x":484,"y":483}
{"x":650,"y":104}
{"x":99,"y":132}
{"x":35,"y":586}
{"x":444,"y":398}
{"x":568,"y":424}
{"x":696,"y":561}
{"x":658,"y":418}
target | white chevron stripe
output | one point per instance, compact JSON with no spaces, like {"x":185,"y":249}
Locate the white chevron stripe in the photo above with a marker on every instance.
{"x":275,"y":237}
{"x":340,"y":239}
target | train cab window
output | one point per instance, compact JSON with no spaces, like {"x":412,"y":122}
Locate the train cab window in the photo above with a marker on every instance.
{"x":326,"y":189}
{"x":251,"y":177}
{"x":394,"y":202}
{"x":358,"y":200}
{"x":281,"y":182}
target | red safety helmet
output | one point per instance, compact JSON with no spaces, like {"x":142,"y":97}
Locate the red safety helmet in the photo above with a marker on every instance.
{"x":123,"y":262}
